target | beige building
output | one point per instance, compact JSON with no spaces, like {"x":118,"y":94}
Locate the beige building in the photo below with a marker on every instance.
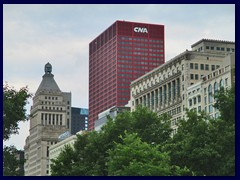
{"x":55,"y":150}
{"x":165,"y":89}
{"x":200,"y":96}
{"x":50,"y":116}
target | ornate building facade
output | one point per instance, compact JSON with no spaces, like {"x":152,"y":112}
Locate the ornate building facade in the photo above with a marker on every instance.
{"x":165,"y":89}
{"x":50,"y":116}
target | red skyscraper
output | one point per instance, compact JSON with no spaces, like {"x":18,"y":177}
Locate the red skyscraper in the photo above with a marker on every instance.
{"x":122,"y":53}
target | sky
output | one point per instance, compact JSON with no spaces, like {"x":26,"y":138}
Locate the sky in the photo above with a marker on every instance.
{"x":60,"y":34}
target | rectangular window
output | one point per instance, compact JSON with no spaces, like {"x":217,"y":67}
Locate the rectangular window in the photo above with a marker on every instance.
{"x":218,"y":48}
{"x":222,"y":49}
{"x":205,"y":100}
{"x":213,"y":67}
{"x":190,"y":102}
{"x":199,"y":99}
{"x":212,"y":48}
{"x":192,"y":76}
{"x":196,"y":66}
{"x":217,"y":66}
{"x":207,"y":47}
{"x":202,"y":66}
{"x":205,"y":91}
{"x":199,"y":108}
{"x":195,"y":100}
{"x":196,"y":76}
{"x":49,"y":119}
{"x":226,"y":82}
{"x":191,"y":65}
{"x":206,"y":67}
{"x":228,"y":49}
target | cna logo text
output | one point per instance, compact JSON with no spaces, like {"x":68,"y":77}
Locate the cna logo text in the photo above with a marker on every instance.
{"x":140,"y":30}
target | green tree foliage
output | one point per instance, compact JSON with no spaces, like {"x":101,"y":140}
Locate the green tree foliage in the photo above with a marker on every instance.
{"x":13,"y":109}
{"x":137,"y":158}
{"x":91,"y":148}
{"x":63,"y":162}
{"x":202,"y":145}
{"x":207,"y":146}
{"x":11,"y":164}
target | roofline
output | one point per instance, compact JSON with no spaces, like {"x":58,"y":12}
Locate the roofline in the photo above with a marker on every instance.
{"x":212,"y":40}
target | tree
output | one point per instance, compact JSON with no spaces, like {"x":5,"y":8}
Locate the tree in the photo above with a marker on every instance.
{"x":13,"y":109}
{"x":137,"y":158}
{"x":207,"y":146}
{"x":12,"y":166}
{"x":63,"y":164}
{"x":90,"y":149}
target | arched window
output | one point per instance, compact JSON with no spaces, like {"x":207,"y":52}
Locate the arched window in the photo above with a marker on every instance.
{"x":215,"y":88}
{"x":210,"y":98}
{"x":190,"y":102}
{"x":221,"y":84}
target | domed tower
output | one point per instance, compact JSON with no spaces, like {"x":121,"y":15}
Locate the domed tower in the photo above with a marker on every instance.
{"x":50,"y":116}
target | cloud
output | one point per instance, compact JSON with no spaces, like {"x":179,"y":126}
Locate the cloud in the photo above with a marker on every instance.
{"x":60,"y":34}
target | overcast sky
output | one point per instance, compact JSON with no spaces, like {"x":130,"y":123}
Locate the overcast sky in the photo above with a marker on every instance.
{"x":60,"y":34}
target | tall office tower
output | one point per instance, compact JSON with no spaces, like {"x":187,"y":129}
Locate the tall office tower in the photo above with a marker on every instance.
{"x":122,"y":53}
{"x":50,"y":116}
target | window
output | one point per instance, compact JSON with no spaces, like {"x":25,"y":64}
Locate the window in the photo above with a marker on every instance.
{"x":232,"y":50}
{"x":202,"y":66}
{"x":199,"y":108}
{"x":196,"y":76}
{"x":207,"y":47}
{"x":196,"y":65}
{"x":191,"y":76}
{"x":199,"y":99}
{"x":191,"y":65}
{"x":218,"y":48}
{"x":228,"y":49}
{"x":210,"y":108}
{"x":217,"y":66}
{"x":205,"y":91}
{"x":182,"y":77}
{"x":222,"y":49}
{"x":213,"y":67}
{"x":221,"y":84}
{"x":210,"y":98}
{"x":226,"y":82}
{"x":195,"y":100}
{"x":190,"y":102}
{"x":215,"y":88}
{"x":206,"y":67}
{"x":212,"y":48}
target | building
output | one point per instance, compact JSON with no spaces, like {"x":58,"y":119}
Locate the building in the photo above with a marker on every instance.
{"x":165,"y":89}
{"x":111,"y":112}
{"x":200,"y":96}
{"x":79,"y":120}
{"x":65,"y":139}
{"x":119,"y":55}
{"x":50,"y":116}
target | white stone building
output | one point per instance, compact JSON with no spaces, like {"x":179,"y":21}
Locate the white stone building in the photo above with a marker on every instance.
{"x":165,"y":89}
{"x":50,"y":116}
